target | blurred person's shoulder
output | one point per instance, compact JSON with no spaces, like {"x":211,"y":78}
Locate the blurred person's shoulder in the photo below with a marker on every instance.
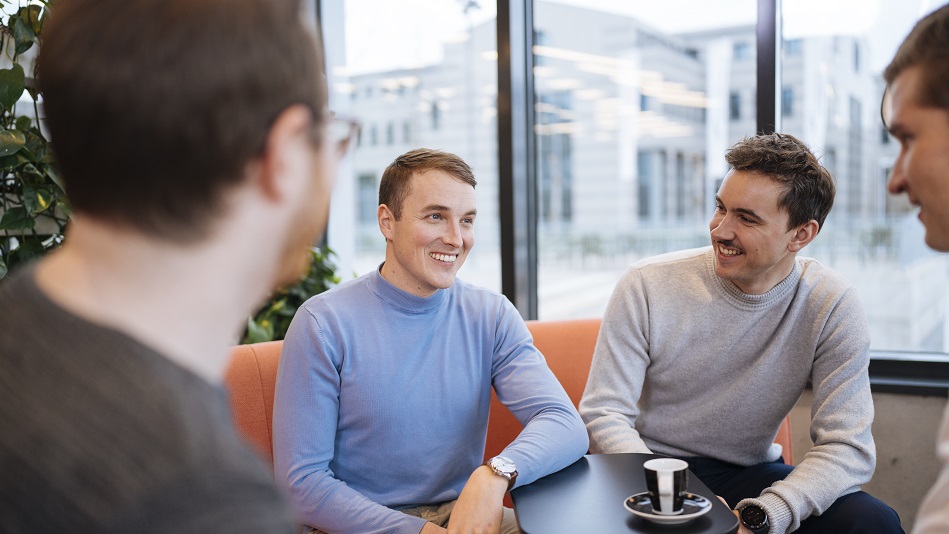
{"x":103,"y":428}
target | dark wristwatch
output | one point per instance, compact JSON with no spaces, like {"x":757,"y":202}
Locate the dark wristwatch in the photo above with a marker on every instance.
{"x":503,"y":466}
{"x":755,"y":519}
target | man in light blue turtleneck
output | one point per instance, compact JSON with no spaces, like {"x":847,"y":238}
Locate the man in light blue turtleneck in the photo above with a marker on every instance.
{"x":703,"y":352}
{"x":384,"y":384}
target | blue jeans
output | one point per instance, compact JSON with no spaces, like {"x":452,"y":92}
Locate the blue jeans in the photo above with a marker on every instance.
{"x":854,"y":513}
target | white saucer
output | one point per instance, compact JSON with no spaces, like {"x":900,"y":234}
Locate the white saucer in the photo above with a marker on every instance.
{"x":693,"y":506}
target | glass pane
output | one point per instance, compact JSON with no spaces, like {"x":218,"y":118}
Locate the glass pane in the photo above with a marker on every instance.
{"x":636,"y":105}
{"x":833,"y":57}
{"x":417,"y":73}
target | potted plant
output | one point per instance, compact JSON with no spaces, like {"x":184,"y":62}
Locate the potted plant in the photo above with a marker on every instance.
{"x":34,"y":210}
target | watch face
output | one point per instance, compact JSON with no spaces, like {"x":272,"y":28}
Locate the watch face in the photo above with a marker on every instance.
{"x":503,"y":464}
{"x":753,"y":516}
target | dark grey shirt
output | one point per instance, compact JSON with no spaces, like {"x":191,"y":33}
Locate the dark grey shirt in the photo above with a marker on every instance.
{"x":99,"y":433}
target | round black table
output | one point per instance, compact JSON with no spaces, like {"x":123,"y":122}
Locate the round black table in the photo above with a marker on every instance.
{"x":588,"y":496}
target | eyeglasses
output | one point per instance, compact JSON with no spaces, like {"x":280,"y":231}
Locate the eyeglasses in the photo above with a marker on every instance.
{"x":886,"y":107}
{"x":341,"y":132}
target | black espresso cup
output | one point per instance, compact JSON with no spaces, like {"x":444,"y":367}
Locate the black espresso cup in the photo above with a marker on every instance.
{"x":666,"y":480}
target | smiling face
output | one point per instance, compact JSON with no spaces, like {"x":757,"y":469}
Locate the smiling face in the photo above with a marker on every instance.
{"x":427,"y":245}
{"x":753,"y":247}
{"x":922,"y":168}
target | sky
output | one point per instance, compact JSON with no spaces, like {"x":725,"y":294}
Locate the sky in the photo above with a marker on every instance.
{"x":384,"y":34}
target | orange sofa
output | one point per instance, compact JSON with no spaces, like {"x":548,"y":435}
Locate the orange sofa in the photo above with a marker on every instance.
{"x":567,"y":346}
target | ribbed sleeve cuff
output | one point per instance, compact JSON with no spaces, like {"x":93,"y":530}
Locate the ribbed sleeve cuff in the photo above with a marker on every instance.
{"x":779,"y":513}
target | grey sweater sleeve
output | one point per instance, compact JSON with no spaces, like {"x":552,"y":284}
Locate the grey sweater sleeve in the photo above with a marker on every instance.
{"x":844,"y":456}
{"x":609,"y":405}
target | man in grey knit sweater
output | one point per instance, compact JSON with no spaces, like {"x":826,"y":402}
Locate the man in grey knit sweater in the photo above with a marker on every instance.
{"x":703,"y":352}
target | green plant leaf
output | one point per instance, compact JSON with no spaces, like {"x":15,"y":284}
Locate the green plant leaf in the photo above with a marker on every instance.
{"x":17,"y":219}
{"x":12,"y":82}
{"x":276,"y":307}
{"x":23,"y":34}
{"x":63,"y":206}
{"x":258,"y":332}
{"x":23,"y":123}
{"x":36,"y":145}
{"x":54,"y":176}
{"x":7,"y":163}
{"x":29,"y":250}
{"x":32,"y":14}
{"x":36,"y":199}
{"x":11,"y":141}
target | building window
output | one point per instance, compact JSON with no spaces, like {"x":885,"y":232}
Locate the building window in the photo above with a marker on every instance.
{"x":854,"y":187}
{"x":741,"y":50}
{"x":794,"y":47}
{"x":787,"y":101}
{"x":436,"y":116}
{"x":646,"y":167}
{"x":407,"y":132}
{"x":368,"y":200}
{"x":856,"y":56}
{"x":390,"y":134}
{"x":646,"y":103}
{"x":679,"y":193}
{"x":556,"y":164}
{"x":373,"y":136}
{"x":734,"y":106}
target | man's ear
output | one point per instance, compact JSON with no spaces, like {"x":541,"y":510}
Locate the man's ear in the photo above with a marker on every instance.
{"x":804,"y":235}
{"x":386,"y":220}
{"x":287,"y":138}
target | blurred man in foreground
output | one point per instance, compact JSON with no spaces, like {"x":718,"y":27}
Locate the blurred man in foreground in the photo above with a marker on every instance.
{"x":197,"y":153}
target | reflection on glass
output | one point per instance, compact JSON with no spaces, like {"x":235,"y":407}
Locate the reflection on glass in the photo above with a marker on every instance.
{"x":635,"y":112}
{"x":417,"y":73}
{"x":635,"y":109}
{"x":833,"y":74}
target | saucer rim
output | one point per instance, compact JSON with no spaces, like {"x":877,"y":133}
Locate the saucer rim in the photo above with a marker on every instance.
{"x":668,"y":519}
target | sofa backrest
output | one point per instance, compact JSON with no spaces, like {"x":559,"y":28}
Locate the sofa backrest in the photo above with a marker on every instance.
{"x":250,"y":378}
{"x":568,"y":348}
{"x":567,"y":345}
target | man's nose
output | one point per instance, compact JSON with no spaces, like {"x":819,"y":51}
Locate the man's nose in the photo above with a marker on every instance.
{"x":896,"y":184}
{"x":721,"y":227}
{"x":452,"y":236}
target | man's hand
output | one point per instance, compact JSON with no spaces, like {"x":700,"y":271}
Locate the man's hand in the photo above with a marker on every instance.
{"x":478,"y":509}
{"x":741,"y":528}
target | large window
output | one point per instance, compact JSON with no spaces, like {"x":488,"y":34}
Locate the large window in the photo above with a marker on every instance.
{"x":833,"y":63}
{"x":635,"y":108}
{"x":634,"y":105}
{"x":418,"y":73}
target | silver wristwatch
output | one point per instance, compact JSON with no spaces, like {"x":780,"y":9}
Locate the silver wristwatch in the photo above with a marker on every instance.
{"x":504,"y":467}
